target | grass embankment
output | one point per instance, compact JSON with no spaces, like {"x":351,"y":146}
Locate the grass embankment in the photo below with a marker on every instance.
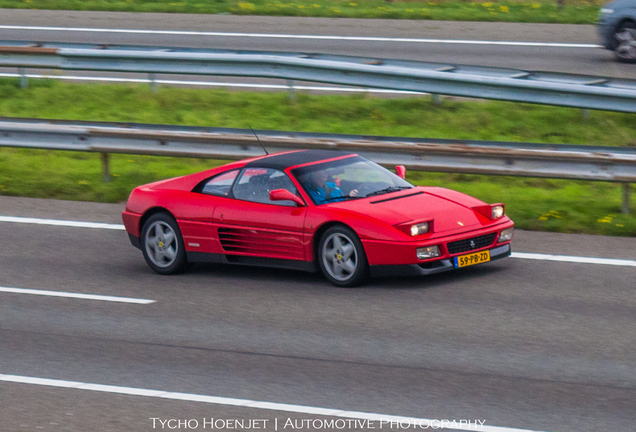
{"x":538,"y":204}
{"x":545,"y":11}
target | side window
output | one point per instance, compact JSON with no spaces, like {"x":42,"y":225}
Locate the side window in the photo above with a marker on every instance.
{"x":254,"y":185}
{"x":220,"y":185}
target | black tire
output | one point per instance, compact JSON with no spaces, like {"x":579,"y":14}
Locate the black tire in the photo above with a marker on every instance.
{"x":162,"y":244}
{"x":341,"y":257}
{"x":625,"y":42}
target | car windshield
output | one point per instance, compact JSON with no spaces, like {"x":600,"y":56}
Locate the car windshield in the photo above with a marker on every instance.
{"x":347,"y":179}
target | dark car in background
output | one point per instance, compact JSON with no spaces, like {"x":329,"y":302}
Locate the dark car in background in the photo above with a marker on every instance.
{"x":617,"y":25}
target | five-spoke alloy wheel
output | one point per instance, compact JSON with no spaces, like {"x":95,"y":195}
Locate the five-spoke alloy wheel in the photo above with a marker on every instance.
{"x":162,"y":244}
{"x":341,"y":257}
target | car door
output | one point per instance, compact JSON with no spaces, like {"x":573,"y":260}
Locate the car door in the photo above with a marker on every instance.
{"x":196,"y":213}
{"x":251,"y":224}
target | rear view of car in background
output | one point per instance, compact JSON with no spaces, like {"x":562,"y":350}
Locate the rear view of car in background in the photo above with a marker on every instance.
{"x":617,"y":26}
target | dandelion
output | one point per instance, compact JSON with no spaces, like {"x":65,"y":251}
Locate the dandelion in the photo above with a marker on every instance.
{"x":410,"y":10}
{"x":82,"y":182}
{"x":504,"y":9}
{"x":301,"y":7}
{"x":336,"y":10}
{"x":248,"y":6}
{"x":552,"y":214}
{"x":619,"y":225}
{"x":536,"y":6}
{"x":487,"y":5}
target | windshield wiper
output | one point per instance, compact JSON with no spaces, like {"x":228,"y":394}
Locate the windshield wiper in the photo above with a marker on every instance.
{"x":388,"y":190}
{"x":342,"y":198}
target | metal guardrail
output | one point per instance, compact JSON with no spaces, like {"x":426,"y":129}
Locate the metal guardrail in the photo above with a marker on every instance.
{"x":612,"y":164}
{"x":577,"y":91}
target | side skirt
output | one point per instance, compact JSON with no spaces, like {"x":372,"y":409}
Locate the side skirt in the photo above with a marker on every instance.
{"x":203,"y":257}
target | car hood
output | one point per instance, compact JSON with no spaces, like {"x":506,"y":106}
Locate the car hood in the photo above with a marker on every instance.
{"x":620,"y":4}
{"x":450,"y":210}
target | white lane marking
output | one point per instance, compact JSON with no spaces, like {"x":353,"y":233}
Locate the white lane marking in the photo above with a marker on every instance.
{"x":65,"y":223}
{"x":215,"y":84}
{"x":272,"y":406}
{"x":521,"y":255}
{"x":574,"y":259}
{"x":75,"y":295}
{"x":295,"y":36}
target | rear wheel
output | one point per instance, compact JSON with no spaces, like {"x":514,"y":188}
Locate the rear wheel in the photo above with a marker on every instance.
{"x":625,"y":42}
{"x":162,"y":244}
{"x":342,"y":258}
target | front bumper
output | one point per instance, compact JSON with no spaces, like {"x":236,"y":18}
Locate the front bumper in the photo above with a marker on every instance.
{"x":431,"y":267}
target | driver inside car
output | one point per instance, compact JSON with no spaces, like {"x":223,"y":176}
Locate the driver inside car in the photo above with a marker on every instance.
{"x":323,"y":191}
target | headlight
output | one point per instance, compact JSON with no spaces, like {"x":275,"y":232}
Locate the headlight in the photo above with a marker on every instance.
{"x":607,"y":11}
{"x":428,"y":252}
{"x":497,"y":212}
{"x":420,"y":228}
{"x":506,"y":235}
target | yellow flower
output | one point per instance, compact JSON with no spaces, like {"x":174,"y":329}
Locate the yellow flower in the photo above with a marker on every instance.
{"x":409,"y":10}
{"x":301,"y":7}
{"x":619,"y":225}
{"x":543,"y":218}
{"x":536,"y":5}
{"x":336,"y":10}
{"x":504,"y":8}
{"x":249,"y":6}
{"x":486,"y":4}
{"x":316,"y":5}
{"x":82,"y":182}
{"x":353,"y":4}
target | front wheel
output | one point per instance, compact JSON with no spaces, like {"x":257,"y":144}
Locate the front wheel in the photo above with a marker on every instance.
{"x":342,"y":258}
{"x":625,"y":43}
{"x":162,"y":244}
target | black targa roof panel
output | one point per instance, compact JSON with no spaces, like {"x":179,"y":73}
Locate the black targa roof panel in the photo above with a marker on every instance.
{"x":286,"y":160}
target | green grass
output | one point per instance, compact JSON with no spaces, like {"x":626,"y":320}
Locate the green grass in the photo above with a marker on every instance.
{"x":537,"y":204}
{"x":545,"y":11}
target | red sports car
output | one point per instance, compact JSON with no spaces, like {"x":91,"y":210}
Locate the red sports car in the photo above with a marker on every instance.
{"x":310,"y":210}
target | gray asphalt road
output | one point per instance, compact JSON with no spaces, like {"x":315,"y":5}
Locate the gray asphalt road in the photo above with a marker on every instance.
{"x":591,"y":61}
{"x":518,"y":343}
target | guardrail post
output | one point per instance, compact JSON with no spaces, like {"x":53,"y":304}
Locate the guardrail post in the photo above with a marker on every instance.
{"x":153,"y":82}
{"x":626,"y":191}
{"x":106,"y":167}
{"x":585,"y":113}
{"x":437,"y":99}
{"x":290,"y":90}
{"x":24,"y":83}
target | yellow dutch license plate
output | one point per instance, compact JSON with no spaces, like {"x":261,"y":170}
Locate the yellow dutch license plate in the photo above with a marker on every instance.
{"x":472,"y":259}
